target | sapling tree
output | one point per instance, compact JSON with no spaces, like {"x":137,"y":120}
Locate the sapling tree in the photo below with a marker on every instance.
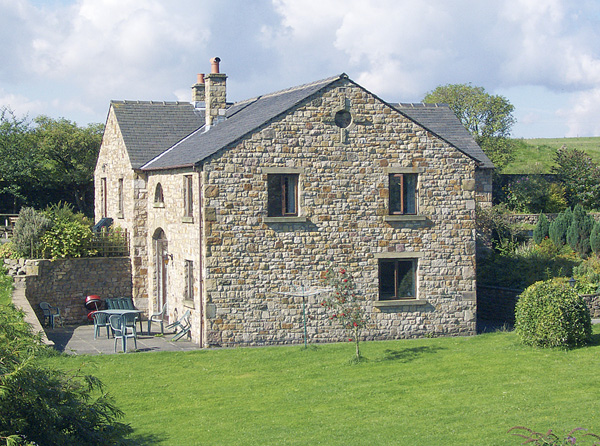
{"x":345,"y":306}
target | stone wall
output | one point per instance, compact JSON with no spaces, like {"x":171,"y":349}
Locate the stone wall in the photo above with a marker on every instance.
{"x":66,"y":282}
{"x":344,"y":175}
{"x":113,"y":165}
{"x":593,"y":302}
{"x":497,"y":304}
{"x":182,"y":235}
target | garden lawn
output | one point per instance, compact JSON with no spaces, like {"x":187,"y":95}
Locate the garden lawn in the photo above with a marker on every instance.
{"x":442,"y":391}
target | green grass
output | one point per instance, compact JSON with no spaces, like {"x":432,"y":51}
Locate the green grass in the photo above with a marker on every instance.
{"x":537,"y":155}
{"x":450,"y":391}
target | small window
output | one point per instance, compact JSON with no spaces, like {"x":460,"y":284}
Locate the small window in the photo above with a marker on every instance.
{"x":403,"y":193}
{"x":397,"y":279}
{"x":283,"y":195}
{"x":121,"y":202}
{"x":189,"y":280}
{"x":103,"y":198}
{"x":343,"y":119}
{"x":188,"y":196}
{"x":158,"y":194}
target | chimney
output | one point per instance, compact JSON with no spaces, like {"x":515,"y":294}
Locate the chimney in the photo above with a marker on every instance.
{"x":216,"y":94}
{"x":198,"y":92}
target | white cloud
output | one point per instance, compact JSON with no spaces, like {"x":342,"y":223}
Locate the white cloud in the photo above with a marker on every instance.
{"x":583,"y":116}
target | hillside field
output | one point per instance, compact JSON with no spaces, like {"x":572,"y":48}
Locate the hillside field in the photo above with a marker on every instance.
{"x":537,"y":155}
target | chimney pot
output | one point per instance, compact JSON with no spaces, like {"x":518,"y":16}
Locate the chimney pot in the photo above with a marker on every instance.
{"x":214,"y":65}
{"x":200,"y":78}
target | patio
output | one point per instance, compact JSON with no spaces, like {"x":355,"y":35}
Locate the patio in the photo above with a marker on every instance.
{"x":79,"y":340}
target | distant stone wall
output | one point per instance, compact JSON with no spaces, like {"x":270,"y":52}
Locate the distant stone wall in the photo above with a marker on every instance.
{"x":533,"y":218}
{"x":593,"y":302}
{"x":66,"y":282}
{"x":497,"y":303}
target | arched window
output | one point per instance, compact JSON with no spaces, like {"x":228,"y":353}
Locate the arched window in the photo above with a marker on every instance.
{"x":159,"y":200}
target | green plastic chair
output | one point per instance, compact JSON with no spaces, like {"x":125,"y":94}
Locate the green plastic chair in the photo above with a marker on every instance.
{"x":158,"y":318}
{"x":101,"y":320}
{"x":181,"y":326}
{"x":122,"y":331}
{"x":51,"y":314}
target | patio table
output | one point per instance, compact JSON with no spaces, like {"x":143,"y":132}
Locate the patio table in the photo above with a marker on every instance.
{"x":121,"y":312}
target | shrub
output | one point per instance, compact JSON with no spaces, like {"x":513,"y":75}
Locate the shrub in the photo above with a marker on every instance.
{"x":7,"y":251}
{"x":29,"y":229}
{"x":525,"y":265}
{"x":587,"y":276}
{"x":551,"y":314}
{"x":69,"y":236}
{"x":550,"y":438}
{"x":580,"y":176}
{"x":557,"y":230}
{"x":556,"y":199}
{"x":540,"y":231}
{"x":43,"y":406}
{"x":578,"y":234}
{"x":595,"y":239}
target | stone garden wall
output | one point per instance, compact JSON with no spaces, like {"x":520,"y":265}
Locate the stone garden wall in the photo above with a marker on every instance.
{"x":66,"y":282}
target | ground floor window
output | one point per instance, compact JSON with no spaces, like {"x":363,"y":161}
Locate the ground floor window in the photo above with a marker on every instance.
{"x":397,"y":279}
{"x":189,"y":280}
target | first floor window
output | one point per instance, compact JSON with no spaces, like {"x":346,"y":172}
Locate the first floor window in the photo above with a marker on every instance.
{"x":189,"y":280}
{"x":403,"y":193}
{"x":188,"y":199}
{"x":283,"y":195}
{"x":397,"y":279}
{"x":103,"y":198}
{"x":121,"y":200}
{"x":158,"y":194}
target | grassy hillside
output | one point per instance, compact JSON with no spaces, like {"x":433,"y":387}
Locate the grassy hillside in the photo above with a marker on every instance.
{"x":537,"y":155}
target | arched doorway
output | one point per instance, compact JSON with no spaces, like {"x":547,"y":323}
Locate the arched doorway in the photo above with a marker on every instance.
{"x":161,"y":262}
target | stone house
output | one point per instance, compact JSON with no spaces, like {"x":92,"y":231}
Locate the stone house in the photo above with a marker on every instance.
{"x":230,"y":204}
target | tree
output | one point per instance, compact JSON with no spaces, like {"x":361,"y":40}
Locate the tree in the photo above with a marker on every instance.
{"x":347,"y":309}
{"x":17,"y":160}
{"x":69,"y":153}
{"x":579,"y":175}
{"x":489,"y":118}
{"x":43,"y":406}
{"x":540,"y":232}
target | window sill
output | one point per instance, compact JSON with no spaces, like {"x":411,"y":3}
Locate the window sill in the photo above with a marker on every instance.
{"x":159,"y":205}
{"x":394,"y":218}
{"x":187,"y":219}
{"x":188,"y":303}
{"x":285,"y":219}
{"x":399,"y":303}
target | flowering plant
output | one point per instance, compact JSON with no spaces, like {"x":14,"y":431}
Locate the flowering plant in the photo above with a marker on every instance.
{"x":550,"y":438}
{"x":344,"y":304}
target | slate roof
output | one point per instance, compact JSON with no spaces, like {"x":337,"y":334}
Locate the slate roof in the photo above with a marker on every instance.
{"x":441,"y":120}
{"x":149,"y":128}
{"x":160,"y":135}
{"x":242,"y":118}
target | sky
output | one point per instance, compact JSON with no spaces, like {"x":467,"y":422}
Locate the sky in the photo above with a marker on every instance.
{"x":69,"y":58}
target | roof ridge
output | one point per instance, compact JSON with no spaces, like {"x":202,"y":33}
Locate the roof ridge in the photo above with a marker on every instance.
{"x":288,"y":90}
{"x":128,"y":101}
{"x":422,"y":104}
